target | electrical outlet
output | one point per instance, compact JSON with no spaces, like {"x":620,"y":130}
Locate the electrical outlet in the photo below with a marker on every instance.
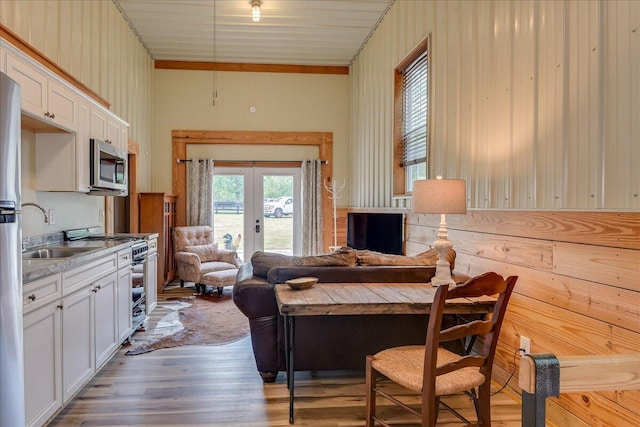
{"x":101,"y":215}
{"x":52,"y":217}
{"x":525,"y":343}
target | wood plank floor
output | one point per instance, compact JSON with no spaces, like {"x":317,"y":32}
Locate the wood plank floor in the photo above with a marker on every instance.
{"x":219,"y":386}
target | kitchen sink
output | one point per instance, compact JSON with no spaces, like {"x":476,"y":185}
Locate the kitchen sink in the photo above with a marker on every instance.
{"x":46,"y":253}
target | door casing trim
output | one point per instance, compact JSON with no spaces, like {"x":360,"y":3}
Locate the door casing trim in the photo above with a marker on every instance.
{"x":181,"y":138}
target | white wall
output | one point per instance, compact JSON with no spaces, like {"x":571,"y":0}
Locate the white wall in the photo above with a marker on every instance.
{"x":535,"y":103}
{"x":284,"y":102}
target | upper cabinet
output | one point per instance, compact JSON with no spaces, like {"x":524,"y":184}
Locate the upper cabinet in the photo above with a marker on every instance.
{"x":107,"y":127}
{"x":43,"y":97}
{"x":62,"y":158}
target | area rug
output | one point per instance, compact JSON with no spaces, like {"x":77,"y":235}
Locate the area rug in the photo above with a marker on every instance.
{"x":192,"y":320}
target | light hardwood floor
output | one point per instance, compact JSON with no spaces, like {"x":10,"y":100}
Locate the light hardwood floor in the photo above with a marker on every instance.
{"x":219,"y":386}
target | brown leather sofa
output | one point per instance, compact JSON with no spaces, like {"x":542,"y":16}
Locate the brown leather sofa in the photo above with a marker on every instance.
{"x":324,"y":342}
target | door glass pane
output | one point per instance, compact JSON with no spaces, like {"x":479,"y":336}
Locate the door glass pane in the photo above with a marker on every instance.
{"x":278,"y":213}
{"x":228,"y":211}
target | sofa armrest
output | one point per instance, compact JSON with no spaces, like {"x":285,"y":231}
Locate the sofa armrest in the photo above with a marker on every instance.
{"x":229,"y":256}
{"x":188,"y":265}
{"x":253,"y":295}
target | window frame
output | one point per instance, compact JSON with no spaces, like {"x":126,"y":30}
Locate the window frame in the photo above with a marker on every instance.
{"x":399,"y":171}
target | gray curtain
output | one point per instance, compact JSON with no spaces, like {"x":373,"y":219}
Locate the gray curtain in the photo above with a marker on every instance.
{"x":200,"y":192}
{"x":311,"y":207}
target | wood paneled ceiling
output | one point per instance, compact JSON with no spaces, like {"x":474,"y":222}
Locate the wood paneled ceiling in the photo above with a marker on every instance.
{"x":297,"y":32}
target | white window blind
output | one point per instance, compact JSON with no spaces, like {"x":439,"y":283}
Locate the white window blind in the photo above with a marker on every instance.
{"x":415,"y":111}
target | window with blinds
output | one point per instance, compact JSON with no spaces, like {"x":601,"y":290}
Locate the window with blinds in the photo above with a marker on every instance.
{"x":411,"y":130}
{"x":414,"y":112}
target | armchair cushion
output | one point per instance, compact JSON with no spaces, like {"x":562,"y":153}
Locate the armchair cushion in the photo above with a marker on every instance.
{"x":205,"y":252}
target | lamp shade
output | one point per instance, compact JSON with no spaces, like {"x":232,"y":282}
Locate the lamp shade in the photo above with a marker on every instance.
{"x":439,"y":196}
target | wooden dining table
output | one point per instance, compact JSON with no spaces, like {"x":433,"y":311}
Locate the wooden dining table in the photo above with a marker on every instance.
{"x":331,"y":299}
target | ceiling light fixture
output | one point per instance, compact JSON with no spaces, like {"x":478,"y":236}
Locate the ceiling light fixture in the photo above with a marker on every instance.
{"x":255,"y":10}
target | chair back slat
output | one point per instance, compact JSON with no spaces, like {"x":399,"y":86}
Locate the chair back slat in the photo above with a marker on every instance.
{"x":476,"y":327}
{"x":487,"y":284}
{"x":465,"y":362}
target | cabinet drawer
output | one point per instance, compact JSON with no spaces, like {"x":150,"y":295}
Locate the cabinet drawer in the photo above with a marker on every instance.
{"x":41,"y":292}
{"x":76,"y":278}
{"x":124,"y":258}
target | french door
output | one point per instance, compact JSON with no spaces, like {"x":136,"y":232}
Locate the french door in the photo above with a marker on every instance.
{"x":258,"y":209}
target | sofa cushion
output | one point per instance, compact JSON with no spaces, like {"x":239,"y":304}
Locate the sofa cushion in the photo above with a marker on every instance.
{"x":205,"y":252}
{"x":263,"y":261}
{"x":430,"y":257}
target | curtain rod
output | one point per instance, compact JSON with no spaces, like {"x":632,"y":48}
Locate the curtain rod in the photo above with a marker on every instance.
{"x":324,"y":162}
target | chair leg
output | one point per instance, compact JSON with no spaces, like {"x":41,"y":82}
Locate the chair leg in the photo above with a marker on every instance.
{"x":371,"y":395}
{"x":484,"y":404}
{"x":182,"y":283}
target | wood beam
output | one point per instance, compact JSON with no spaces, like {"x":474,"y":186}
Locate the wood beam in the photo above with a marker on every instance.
{"x":254,"y":68}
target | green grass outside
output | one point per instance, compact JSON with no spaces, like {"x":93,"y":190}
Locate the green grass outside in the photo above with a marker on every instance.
{"x":278,"y":232}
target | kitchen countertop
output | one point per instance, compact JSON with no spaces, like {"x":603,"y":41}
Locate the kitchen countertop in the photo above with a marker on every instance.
{"x":33,"y":269}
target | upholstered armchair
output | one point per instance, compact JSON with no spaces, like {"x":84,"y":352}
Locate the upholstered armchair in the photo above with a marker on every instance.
{"x":196,"y":255}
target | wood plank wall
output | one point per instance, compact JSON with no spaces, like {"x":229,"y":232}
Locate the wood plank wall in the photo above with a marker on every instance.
{"x":578,"y":291}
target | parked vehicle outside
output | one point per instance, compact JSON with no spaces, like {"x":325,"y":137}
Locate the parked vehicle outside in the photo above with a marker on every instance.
{"x":278,"y":207}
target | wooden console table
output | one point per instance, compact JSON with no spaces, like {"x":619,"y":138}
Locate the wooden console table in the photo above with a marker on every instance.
{"x":327,"y":299}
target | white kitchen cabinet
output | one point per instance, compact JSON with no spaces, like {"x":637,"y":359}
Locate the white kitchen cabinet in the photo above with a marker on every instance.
{"x":98,"y":128}
{"x":62,"y":159}
{"x":74,"y":322}
{"x":42,"y":340}
{"x":78,"y":341}
{"x":44,"y":97}
{"x":124,"y":304}
{"x":106,"y":318}
{"x":106,"y":127}
{"x":151,"y":276}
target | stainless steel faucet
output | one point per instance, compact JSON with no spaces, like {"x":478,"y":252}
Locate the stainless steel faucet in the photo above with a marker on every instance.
{"x":46,"y":218}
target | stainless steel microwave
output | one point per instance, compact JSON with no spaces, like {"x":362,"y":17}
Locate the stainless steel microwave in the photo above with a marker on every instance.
{"x":107,"y":169}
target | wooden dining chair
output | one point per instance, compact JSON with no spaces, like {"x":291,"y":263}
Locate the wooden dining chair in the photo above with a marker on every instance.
{"x":434,"y":371}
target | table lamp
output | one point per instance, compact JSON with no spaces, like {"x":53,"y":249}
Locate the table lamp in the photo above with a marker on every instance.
{"x":440,"y":196}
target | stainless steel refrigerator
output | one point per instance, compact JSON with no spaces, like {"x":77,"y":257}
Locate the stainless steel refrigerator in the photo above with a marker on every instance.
{"x":12,"y":413}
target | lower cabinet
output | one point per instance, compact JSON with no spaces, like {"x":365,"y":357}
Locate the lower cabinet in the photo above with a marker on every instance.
{"x":78,"y":346}
{"x":42,"y":363}
{"x":68,"y":336}
{"x":89,"y":332}
{"x":105,"y":318}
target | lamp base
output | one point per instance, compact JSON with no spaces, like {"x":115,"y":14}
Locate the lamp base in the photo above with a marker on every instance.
{"x":443,"y":268}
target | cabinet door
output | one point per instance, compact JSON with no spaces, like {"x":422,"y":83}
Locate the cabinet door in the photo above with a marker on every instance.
{"x":150,"y":281}
{"x":98,"y":124}
{"x":33,"y":86}
{"x":124,"y":304}
{"x":62,"y":105}
{"x":113,"y":132}
{"x":106,"y":317}
{"x":42,"y":363}
{"x":78,"y":350}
